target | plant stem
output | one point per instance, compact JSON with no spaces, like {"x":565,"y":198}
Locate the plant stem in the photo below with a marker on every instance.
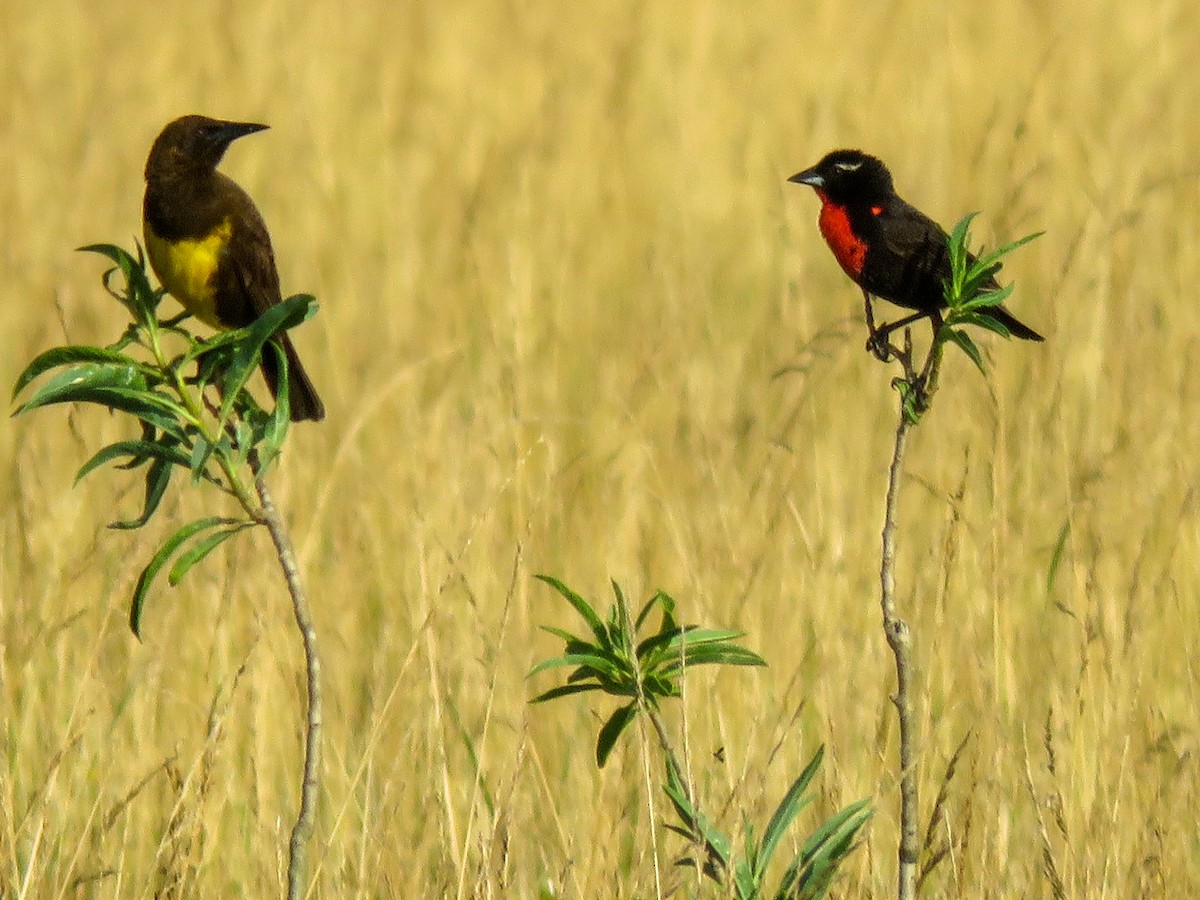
{"x":899,"y":637}
{"x":194,"y":407}
{"x":305,"y":819}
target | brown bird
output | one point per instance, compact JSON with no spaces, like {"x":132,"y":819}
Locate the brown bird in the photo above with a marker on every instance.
{"x":208,"y":244}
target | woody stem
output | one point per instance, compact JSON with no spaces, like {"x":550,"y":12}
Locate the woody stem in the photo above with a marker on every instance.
{"x":899,"y":638}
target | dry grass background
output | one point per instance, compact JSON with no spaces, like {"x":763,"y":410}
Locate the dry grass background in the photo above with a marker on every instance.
{"x":558,"y":265}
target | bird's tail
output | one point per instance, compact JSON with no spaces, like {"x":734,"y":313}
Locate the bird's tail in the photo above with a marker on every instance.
{"x":305,"y":404}
{"x":1015,"y":327}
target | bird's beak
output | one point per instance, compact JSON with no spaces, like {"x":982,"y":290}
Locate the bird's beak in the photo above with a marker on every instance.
{"x":231,"y":131}
{"x":810,"y":177}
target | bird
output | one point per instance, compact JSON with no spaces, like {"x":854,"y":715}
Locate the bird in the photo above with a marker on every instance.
{"x":888,"y":247}
{"x":209,"y":246}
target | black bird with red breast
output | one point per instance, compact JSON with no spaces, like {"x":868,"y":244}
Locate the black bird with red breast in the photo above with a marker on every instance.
{"x":888,"y":247}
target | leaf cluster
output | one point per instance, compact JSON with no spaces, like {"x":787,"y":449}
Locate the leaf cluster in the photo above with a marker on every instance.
{"x":810,"y":872}
{"x":972,"y":289}
{"x":644,"y":670}
{"x":164,"y":393}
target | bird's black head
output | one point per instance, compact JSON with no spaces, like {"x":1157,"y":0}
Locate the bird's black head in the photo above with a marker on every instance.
{"x":194,"y":143}
{"x":848,"y":176}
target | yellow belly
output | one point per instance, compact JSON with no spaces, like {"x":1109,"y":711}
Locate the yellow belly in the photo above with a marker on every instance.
{"x":187,"y":269}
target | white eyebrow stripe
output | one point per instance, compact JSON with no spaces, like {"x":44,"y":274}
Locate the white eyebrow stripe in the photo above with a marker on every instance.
{"x":848,"y":166}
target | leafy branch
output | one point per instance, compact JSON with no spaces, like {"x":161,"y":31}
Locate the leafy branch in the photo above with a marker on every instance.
{"x":227,"y":446}
{"x":159,"y":374}
{"x":643,"y":672}
{"x":969,"y":292}
{"x":972,"y":288}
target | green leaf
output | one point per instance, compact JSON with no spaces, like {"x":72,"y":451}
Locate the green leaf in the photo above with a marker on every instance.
{"x":612,"y":729}
{"x":202,"y":452}
{"x":744,"y":882}
{"x":988,"y":260}
{"x":69,"y":355}
{"x":812,"y":871}
{"x":658,"y":684}
{"x":963,"y":341}
{"x":116,"y":387}
{"x":567,"y":638}
{"x":277,"y":425}
{"x":139,"y":297}
{"x":690,"y":642}
{"x":716,"y":842}
{"x":620,"y":629}
{"x":662,"y":600}
{"x":139,"y":453}
{"x":565,"y":690}
{"x":581,"y":606}
{"x":244,"y":436}
{"x":694,"y":637}
{"x":977,"y":279}
{"x":980,"y":320}
{"x":90,"y":376}
{"x":986,"y":300}
{"x":1056,"y":558}
{"x":600,"y":663}
{"x":707,"y":655}
{"x":661,"y":641}
{"x":156,"y":410}
{"x":169,"y":546}
{"x":957,"y":245}
{"x":247,"y":351}
{"x":212,"y":346}
{"x":958,"y":235}
{"x":590,"y":661}
{"x":201,"y":549}
{"x":118,"y":255}
{"x":972,"y":286}
{"x":158,"y":476}
{"x":791,"y":804}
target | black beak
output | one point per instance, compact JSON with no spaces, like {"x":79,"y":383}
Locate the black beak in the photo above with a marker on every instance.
{"x":228,"y":132}
{"x":811,"y":177}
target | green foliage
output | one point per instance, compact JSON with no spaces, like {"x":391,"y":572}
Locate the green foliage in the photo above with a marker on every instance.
{"x":972,"y":288}
{"x":180,"y":431}
{"x":809,"y":874}
{"x":644,"y":672}
{"x":969,"y":292}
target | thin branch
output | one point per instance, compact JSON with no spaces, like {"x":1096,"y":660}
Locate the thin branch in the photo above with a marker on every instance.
{"x":899,"y":637}
{"x":305,"y":819}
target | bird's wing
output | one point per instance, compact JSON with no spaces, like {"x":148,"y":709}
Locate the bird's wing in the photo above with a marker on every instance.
{"x":907,"y":260}
{"x":912,"y":234}
{"x":250,"y":280}
{"x":917,"y":256}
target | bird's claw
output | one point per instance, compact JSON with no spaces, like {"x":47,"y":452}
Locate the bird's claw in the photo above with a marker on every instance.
{"x":880,"y":347}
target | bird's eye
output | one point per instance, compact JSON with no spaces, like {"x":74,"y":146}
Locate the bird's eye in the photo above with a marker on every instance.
{"x":848,"y":166}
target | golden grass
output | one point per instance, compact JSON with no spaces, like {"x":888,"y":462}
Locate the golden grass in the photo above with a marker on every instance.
{"x":558,"y":265}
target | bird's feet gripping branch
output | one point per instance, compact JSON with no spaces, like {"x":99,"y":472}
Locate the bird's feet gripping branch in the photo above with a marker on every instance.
{"x":879,"y":343}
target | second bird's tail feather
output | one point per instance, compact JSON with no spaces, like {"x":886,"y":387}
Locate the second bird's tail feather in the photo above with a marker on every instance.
{"x":306,"y":405}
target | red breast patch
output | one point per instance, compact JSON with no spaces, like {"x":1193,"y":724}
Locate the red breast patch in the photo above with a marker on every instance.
{"x":847,"y":247}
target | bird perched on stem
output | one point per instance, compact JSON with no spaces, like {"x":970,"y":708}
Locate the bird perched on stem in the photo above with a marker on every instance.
{"x":208,"y":244}
{"x":888,"y":247}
